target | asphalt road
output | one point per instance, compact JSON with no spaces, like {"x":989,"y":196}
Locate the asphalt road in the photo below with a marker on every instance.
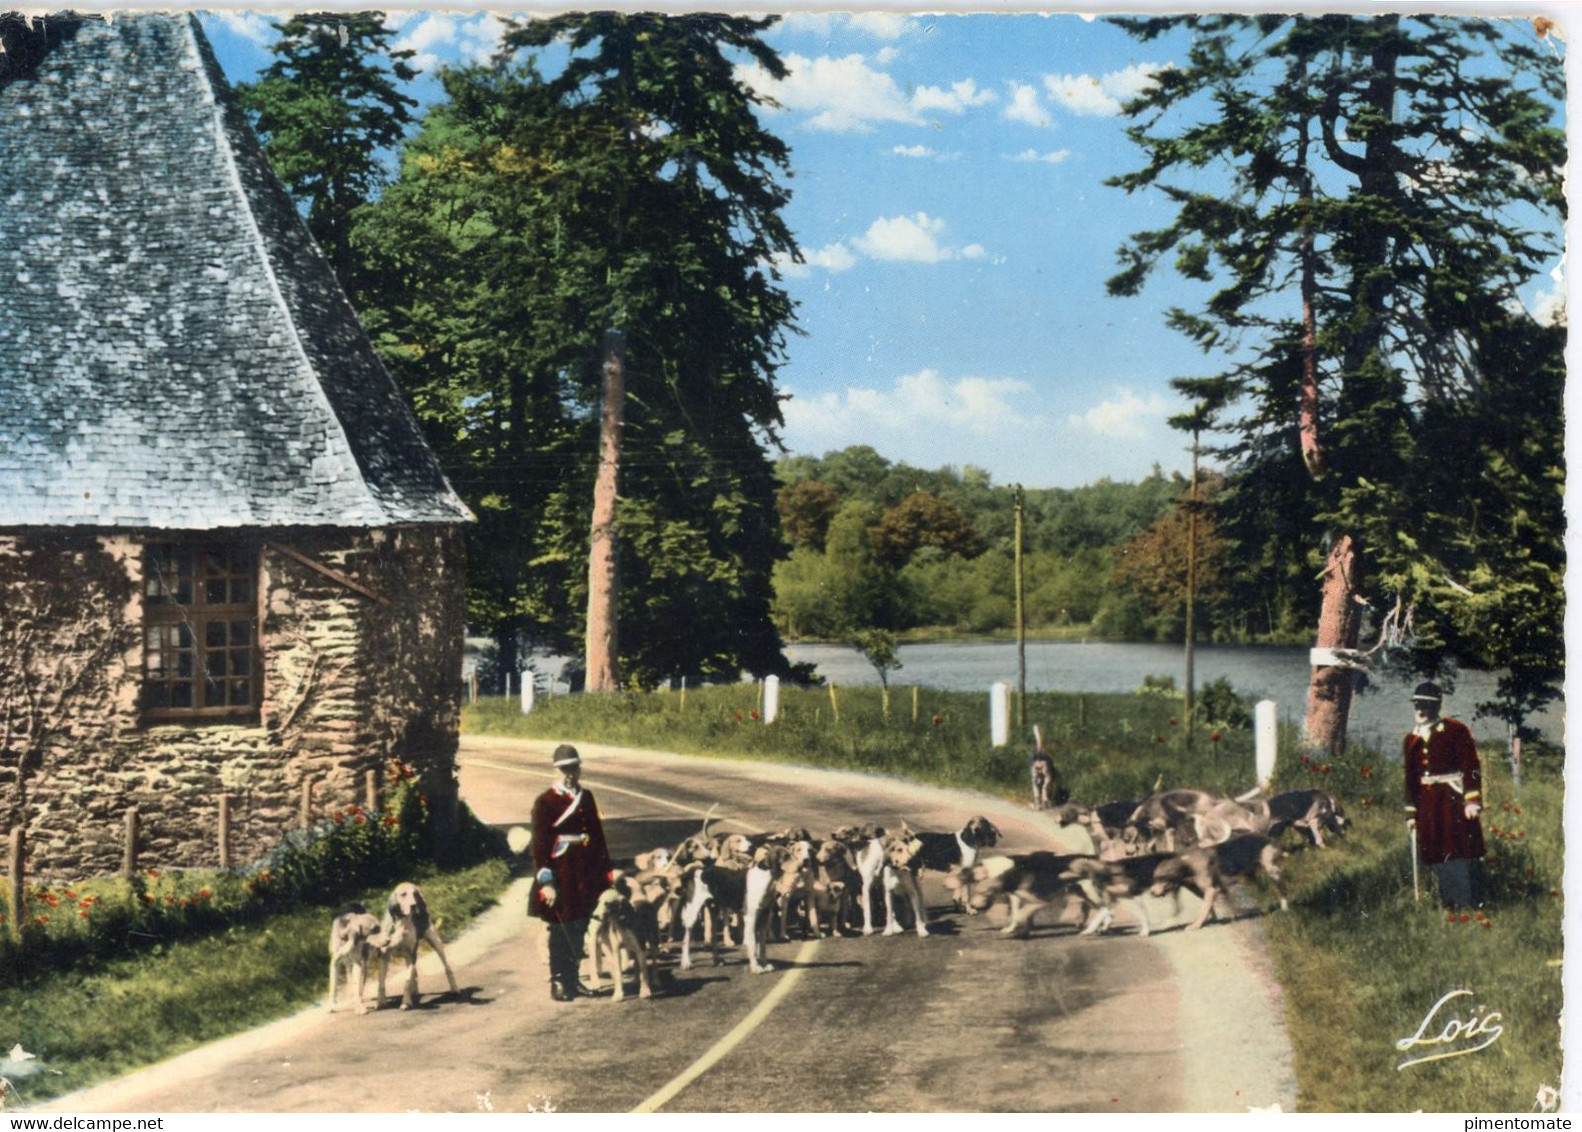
{"x":964,"y":1020}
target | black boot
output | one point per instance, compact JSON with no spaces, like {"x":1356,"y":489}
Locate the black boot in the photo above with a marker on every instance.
{"x":562,"y":992}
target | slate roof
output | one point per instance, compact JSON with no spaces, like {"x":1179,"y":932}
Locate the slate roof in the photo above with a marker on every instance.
{"x":174,"y":350}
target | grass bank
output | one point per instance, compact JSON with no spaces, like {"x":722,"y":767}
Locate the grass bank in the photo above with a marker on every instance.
{"x":1109,"y":746}
{"x":105,"y":1016}
{"x":1361,"y":963}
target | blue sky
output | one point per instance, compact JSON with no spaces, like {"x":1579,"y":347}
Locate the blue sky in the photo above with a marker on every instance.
{"x":948,"y":195}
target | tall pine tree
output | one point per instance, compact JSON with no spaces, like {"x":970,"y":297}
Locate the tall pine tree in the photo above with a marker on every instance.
{"x":327,"y":107}
{"x":1364,"y":197}
{"x":631,"y":187}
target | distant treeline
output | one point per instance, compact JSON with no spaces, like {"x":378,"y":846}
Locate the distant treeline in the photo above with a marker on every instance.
{"x":876,"y":543}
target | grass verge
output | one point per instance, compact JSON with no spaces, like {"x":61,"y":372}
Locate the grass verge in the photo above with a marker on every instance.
{"x":107,"y":1016}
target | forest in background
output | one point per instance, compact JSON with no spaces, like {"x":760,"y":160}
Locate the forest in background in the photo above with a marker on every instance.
{"x":876,"y":544}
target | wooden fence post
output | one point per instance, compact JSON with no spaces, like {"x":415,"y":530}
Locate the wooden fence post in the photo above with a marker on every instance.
{"x":371,"y":793}
{"x":129,"y":847}
{"x":914,"y":703}
{"x":834,"y":703}
{"x":225,"y":831}
{"x":307,"y":803}
{"x":18,"y":879}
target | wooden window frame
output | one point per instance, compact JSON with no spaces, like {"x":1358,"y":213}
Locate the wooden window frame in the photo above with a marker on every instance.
{"x":200,"y":599}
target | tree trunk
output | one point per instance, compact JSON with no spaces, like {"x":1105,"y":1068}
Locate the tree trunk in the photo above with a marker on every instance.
{"x":1339,"y":625}
{"x":602,"y":650}
{"x":1307,"y":409}
{"x":1340,"y":616}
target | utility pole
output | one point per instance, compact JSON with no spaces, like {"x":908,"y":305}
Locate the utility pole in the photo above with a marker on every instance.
{"x":602,"y":642}
{"x":1021,"y":620}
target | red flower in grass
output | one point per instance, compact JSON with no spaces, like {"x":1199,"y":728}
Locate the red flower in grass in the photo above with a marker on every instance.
{"x":1516,"y":810}
{"x":738,"y":717}
{"x":153,"y":873}
{"x":1465,"y":919}
{"x":205,"y":894}
{"x":390,"y":820}
{"x":68,"y":894}
{"x":361,"y":820}
{"x":1213,"y":736}
{"x":170,"y":900}
{"x":1306,"y":759}
{"x":1159,"y":738}
{"x":41,"y":919}
{"x":752,"y":715}
{"x":1450,"y":917}
{"x":148,"y":898}
{"x":1173,"y":723}
{"x":83,"y":913}
{"x":338,"y":817}
{"x":938,"y":719}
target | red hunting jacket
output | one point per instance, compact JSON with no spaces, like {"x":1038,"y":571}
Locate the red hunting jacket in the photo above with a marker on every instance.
{"x":1442,"y":776}
{"x":568,"y":840}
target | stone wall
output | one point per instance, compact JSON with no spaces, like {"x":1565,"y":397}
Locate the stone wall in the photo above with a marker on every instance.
{"x":361,"y":666}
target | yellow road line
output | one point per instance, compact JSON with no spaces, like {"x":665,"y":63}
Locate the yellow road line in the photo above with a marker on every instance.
{"x":607,"y":786}
{"x":733,"y":1039}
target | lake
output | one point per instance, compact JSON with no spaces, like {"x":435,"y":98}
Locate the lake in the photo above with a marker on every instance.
{"x":1379,"y":717}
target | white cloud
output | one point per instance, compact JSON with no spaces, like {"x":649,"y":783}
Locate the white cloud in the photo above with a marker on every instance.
{"x":833,"y":258}
{"x":953,"y":101}
{"x":1025,"y":107}
{"x":440,"y":39}
{"x":1054,"y":157}
{"x":1132,"y":81}
{"x":248,"y":25}
{"x":843,"y":95}
{"x":1549,"y":308}
{"x":886,"y":55}
{"x":1081,"y":94}
{"x":1101,"y":97}
{"x":913,"y":239}
{"x":980,"y":406}
{"x":849,"y":95}
{"x":881,"y":25}
{"x":1125,"y":416}
{"x":912,"y":151}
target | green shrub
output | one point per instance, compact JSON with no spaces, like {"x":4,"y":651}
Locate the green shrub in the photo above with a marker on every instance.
{"x":67,"y":926}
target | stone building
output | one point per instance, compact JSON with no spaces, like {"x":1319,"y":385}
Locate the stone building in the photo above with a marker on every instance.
{"x":229,"y":564}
